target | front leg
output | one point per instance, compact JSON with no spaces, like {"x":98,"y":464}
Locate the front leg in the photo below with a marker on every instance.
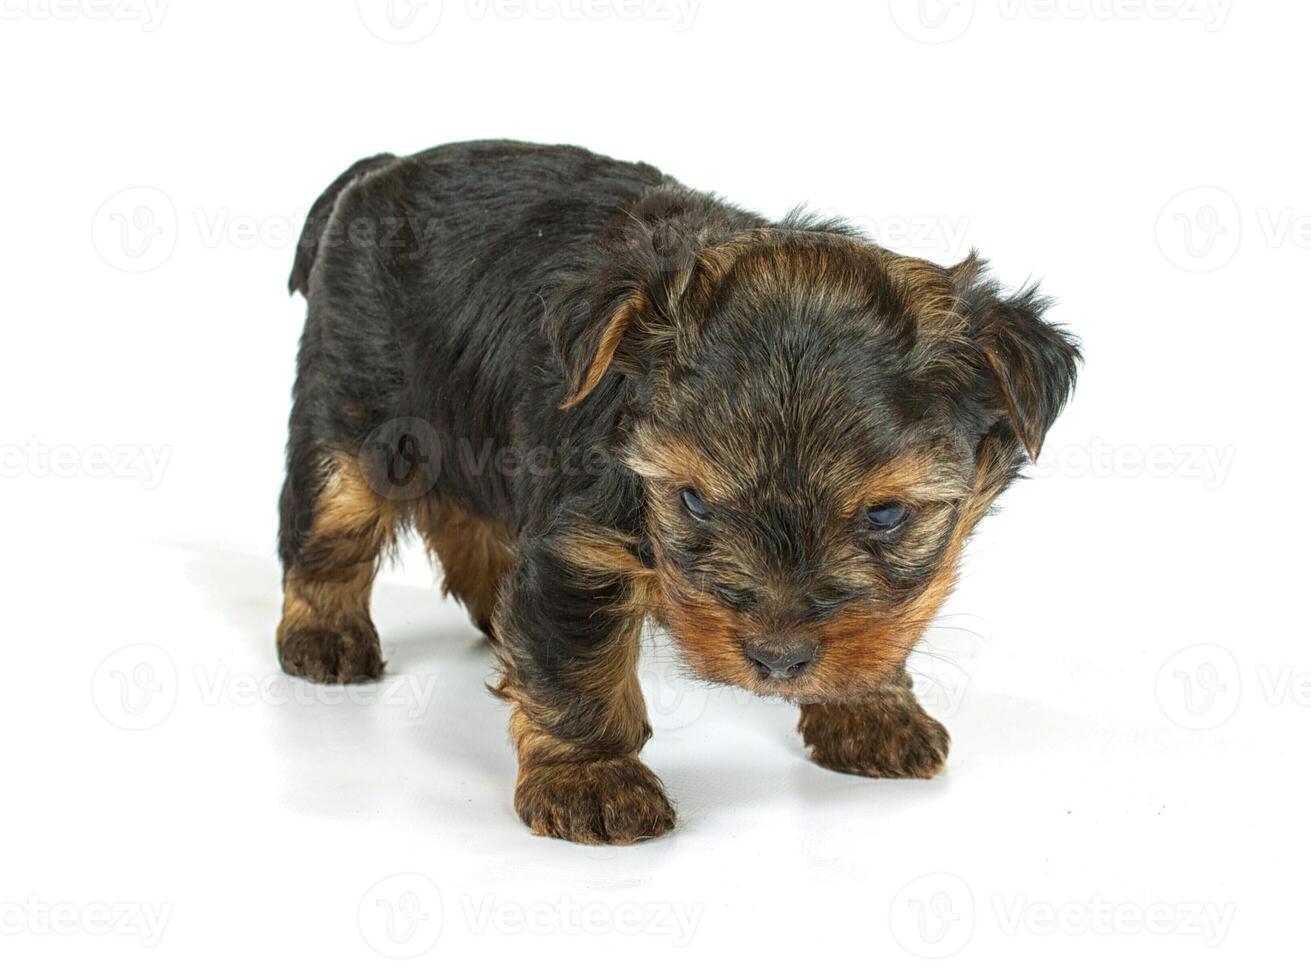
{"x":887,"y":735}
{"x":570,"y":622}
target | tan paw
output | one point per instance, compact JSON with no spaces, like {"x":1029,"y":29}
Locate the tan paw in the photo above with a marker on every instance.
{"x":891,"y":740}
{"x":606,"y":801}
{"x":327,"y":656}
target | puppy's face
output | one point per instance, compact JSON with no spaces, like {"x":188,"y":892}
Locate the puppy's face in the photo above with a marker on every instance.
{"x":801,"y":561}
{"x":819,"y":425}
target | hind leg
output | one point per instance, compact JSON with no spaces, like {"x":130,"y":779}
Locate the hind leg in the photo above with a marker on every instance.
{"x":335,"y":529}
{"x":473,"y":555}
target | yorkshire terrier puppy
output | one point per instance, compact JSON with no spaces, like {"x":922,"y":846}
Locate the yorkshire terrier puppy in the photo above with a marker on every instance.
{"x":600,"y":396}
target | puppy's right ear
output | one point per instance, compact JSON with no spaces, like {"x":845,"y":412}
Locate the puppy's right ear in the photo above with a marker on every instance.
{"x":636,"y":305}
{"x":590,"y":352}
{"x":624,"y":312}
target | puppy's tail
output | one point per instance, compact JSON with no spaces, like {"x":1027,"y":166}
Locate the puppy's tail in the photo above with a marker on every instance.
{"x":308,"y":246}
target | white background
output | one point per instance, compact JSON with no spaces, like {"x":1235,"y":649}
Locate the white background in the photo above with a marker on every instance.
{"x":1118,"y":668}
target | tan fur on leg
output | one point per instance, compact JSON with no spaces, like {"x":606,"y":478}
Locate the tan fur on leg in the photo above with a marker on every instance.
{"x":591,"y":788}
{"x":473,"y":554}
{"x":325,"y":634}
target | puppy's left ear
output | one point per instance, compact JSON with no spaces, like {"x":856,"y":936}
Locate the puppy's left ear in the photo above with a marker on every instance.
{"x":1030,"y":363}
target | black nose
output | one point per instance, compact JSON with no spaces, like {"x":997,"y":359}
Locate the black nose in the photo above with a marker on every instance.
{"x":780,"y":659}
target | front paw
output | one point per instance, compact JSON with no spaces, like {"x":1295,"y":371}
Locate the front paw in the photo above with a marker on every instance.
{"x":891,"y":739}
{"x":605,"y":801}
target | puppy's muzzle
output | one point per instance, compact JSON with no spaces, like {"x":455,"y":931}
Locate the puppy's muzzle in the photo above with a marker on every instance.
{"x":780,"y":658}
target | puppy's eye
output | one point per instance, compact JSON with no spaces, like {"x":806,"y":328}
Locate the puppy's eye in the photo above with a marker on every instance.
{"x":694,"y":505}
{"x":734,"y":598}
{"x":887,"y":516}
{"x":826,"y":604}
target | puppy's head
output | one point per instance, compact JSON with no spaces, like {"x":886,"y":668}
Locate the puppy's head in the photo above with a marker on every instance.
{"x":819,"y":424}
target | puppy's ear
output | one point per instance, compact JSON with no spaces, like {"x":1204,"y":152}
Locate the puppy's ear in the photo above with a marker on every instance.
{"x":1030,"y":365}
{"x":637,"y":303}
{"x":625,"y":311}
{"x":593,"y":349}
